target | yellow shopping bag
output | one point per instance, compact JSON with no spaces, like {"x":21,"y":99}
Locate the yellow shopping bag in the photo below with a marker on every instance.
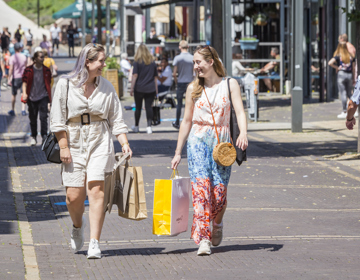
{"x":171,"y":205}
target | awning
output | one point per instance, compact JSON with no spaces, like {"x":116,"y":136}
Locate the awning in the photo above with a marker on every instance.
{"x":75,"y":10}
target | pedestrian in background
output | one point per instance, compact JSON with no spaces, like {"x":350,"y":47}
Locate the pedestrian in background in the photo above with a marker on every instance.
{"x":84,"y":123}
{"x":17,"y":64}
{"x":125,"y":68}
{"x":71,"y":31}
{"x":209,"y":180}
{"x":49,"y":63}
{"x":165,"y":76}
{"x":55,"y":32}
{"x":2,"y":69}
{"x":5,"y":39}
{"x":37,"y":92}
{"x":144,"y":85}
{"x":183,"y":75}
{"x":18,"y":34}
{"x":344,"y":64}
{"x":45,"y":44}
{"x":29,"y":40}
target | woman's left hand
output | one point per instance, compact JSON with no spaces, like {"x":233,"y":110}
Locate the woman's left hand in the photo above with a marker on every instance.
{"x":242,"y":141}
{"x":126,"y":149}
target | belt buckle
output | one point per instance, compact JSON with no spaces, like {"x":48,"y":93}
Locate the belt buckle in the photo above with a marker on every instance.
{"x":85,"y":119}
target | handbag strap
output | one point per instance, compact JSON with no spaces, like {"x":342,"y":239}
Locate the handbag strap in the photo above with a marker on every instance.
{"x":217,"y":135}
{"x":67,"y":94}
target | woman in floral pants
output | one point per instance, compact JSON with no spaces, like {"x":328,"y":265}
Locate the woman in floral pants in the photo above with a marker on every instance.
{"x":209,"y":180}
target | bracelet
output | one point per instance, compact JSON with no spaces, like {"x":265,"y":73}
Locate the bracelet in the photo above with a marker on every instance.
{"x":350,"y":119}
{"x":126,"y":143}
{"x":64,"y":147}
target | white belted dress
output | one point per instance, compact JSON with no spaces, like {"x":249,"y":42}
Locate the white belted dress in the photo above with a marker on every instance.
{"x":91,"y":146}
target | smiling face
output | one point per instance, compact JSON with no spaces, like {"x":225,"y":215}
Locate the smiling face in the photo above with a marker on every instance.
{"x":201,"y":66}
{"x":96,"y":66}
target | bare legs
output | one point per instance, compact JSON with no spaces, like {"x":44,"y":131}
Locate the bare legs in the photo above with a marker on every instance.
{"x":75,"y":198}
{"x":220,"y":215}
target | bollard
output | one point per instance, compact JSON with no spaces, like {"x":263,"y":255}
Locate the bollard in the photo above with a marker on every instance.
{"x":296,"y":109}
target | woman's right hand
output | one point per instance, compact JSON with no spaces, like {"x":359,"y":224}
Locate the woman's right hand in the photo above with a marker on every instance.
{"x":175,"y":161}
{"x":65,"y":155}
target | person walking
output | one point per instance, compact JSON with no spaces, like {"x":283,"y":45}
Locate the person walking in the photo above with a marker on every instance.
{"x":344,"y":64}
{"x":18,"y":34}
{"x":5,"y":39}
{"x":49,"y":63}
{"x":2,"y":69}
{"x":85,"y":113}
{"x":45,"y":44}
{"x":125,"y":68}
{"x":17,"y":64}
{"x":37,"y":93}
{"x":71,"y":31}
{"x":143,"y":85}
{"x":183,"y":75}
{"x":207,"y":101}
{"x":29,"y":40}
{"x":55,"y":32}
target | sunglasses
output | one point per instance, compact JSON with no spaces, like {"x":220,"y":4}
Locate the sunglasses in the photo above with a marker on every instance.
{"x":207,"y":47}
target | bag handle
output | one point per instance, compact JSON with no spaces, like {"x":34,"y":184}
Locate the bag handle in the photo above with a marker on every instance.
{"x":217,"y":135}
{"x":121,"y":160}
{"x":174,"y":173}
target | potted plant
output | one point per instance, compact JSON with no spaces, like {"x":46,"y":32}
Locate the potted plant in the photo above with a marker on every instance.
{"x":248,"y":43}
{"x":172,"y":44}
{"x":238,"y":19}
{"x":260,"y":19}
{"x":111,"y":73}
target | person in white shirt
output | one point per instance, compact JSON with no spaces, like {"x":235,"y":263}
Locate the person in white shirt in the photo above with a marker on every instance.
{"x":125,"y":68}
{"x":56,"y":38}
{"x":85,"y":114}
{"x":165,"y":77}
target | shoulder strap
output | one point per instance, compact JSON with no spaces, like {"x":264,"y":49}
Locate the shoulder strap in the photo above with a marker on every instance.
{"x":67,"y":94}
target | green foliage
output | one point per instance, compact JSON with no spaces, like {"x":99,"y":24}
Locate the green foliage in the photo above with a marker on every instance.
{"x":47,"y":7}
{"x":112,"y":63}
{"x":353,"y":16}
{"x":248,"y":39}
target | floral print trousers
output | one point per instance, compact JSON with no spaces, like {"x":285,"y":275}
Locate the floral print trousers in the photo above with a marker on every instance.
{"x":209,"y":187}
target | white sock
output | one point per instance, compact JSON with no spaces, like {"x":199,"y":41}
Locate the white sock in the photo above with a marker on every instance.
{"x":218,"y":225}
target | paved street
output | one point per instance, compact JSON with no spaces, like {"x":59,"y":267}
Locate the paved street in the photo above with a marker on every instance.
{"x":293,"y":207}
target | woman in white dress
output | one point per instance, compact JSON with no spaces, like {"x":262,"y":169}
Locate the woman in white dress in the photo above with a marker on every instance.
{"x":84,"y":123}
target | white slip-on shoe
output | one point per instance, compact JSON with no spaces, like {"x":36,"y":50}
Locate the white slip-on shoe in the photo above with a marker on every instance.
{"x":217,"y":235}
{"x":342,"y":115}
{"x":204,"y":248}
{"x":148,"y":130}
{"x":33,"y":141}
{"x":135,"y":128}
{"x":77,"y":236}
{"x":94,"y":251}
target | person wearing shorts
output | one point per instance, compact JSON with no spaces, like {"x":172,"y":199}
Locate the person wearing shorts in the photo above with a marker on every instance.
{"x":56,"y":38}
{"x":17,"y":66}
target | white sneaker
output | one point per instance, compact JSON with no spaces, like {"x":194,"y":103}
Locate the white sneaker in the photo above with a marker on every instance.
{"x":77,"y":236}
{"x":342,"y":115}
{"x":204,"y":247}
{"x":356,"y":114}
{"x":217,"y":235}
{"x":135,"y":128}
{"x":148,"y":130}
{"x":33,"y":141}
{"x":94,"y":251}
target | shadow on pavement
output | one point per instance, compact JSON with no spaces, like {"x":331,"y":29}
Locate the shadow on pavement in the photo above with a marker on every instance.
{"x":129,"y":252}
{"x":228,"y":248}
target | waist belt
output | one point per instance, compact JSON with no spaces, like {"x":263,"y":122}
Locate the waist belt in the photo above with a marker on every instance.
{"x":86,"y":119}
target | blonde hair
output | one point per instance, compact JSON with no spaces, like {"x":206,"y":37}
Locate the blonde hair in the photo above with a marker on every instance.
{"x":143,"y":55}
{"x":343,"y":52}
{"x":89,"y":52}
{"x":183,"y":44}
{"x":208,"y":53}
{"x":45,"y":52}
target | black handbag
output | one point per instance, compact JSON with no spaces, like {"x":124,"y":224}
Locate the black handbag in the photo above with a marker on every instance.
{"x":51,"y":145}
{"x":235,"y":132}
{"x":156,"y":114}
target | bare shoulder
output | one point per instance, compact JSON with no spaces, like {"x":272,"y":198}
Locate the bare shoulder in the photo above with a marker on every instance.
{"x":234,"y":85}
{"x":190,"y":87}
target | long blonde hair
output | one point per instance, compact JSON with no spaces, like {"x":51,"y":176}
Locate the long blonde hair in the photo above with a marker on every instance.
{"x":208,"y":53}
{"x":143,"y":55}
{"x":343,"y":52}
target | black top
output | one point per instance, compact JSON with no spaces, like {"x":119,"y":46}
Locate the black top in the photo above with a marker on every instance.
{"x":145,"y":82}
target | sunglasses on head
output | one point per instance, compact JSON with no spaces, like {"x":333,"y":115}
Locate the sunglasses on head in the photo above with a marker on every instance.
{"x":207,"y":47}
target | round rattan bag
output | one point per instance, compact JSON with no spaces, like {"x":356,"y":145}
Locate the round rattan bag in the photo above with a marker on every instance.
{"x":224,"y":154}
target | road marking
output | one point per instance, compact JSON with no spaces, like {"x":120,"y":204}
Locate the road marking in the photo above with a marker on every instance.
{"x":30,"y":261}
